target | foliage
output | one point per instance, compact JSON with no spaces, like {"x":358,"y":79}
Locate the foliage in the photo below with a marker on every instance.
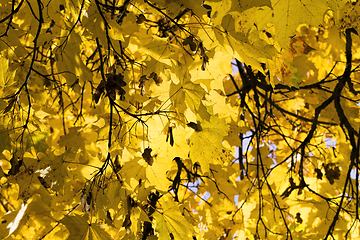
{"x":163,"y":119}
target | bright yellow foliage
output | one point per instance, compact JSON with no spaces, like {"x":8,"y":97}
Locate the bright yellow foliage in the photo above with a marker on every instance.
{"x":163,"y":119}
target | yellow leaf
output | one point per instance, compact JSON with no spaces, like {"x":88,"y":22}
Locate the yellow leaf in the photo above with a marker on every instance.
{"x":218,"y":10}
{"x":6,"y":75}
{"x":80,"y":229}
{"x":206,"y":145}
{"x":171,"y":221}
{"x":187,"y":94}
{"x":288,"y":15}
{"x":161,"y":50}
{"x":156,"y":174}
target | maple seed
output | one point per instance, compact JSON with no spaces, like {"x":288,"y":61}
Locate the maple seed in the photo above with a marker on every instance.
{"x":85,"y":202}
{"x":99,"y":91}
{"x":140,"y":19}
{"x":268,"y":34}
{"x":187,"y":40}
{"x":196,"y":126}
{"x":332,"y":172}
{"x":117,"y":165}
{"x":203,"y":55}
{"x":127,"y":221}
{"x":156,"y":78}
{"x":142,"y":80}
{"x":215,"y":14}
{"x":16,"y":163}
{"x":192,"y":46}
{"x":50,"y":29}
{"x":147,"y":156}
{"x":298,"y":218}
{"x":108,"y":215}
{"x":43,"y":182}
{"x":170,"y":135}
{"x":319,"y":174}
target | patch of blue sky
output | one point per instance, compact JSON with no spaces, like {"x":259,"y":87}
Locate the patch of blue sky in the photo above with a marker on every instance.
{"x":204,"y":197}
{"x":193,"y":186}
{"x":235,"y":69}
{"x":245,"y":146}
{"x":353,"y":173}
{"x":330,"y":142}
{"x":236,"y":199}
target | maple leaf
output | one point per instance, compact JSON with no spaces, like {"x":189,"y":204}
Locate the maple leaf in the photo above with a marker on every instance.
{"x":187,"y":94}
{"x":161,"y":50}
{"x":79,"y":228}
{"x":6,"y":74}
{"x":170,"y":221}
{"x":138,"y":170}
{"x":288,"y":15}
{"x":206,"y":145}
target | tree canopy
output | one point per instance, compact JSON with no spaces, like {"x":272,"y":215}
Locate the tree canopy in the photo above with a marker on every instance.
{"x":177,"y":119}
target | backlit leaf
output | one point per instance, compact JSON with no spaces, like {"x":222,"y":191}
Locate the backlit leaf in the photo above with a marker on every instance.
{"x":206,"y":145}
{"x":171,"y":221}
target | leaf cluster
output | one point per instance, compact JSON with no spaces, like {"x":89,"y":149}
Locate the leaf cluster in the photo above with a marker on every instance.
{"x":179,"y":119}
